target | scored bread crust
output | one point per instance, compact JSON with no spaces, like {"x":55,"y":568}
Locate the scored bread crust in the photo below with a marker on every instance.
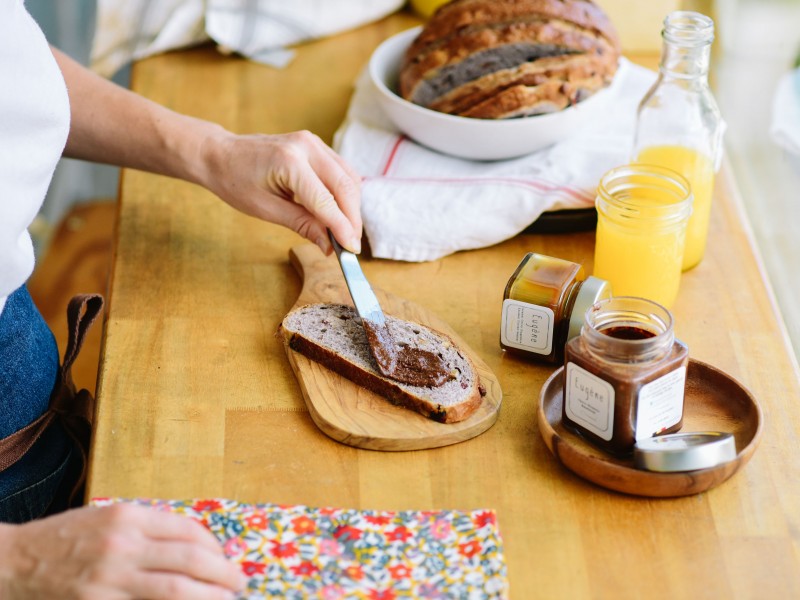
{"x":558,"y":38}
{"x":455,"y":15}
{"x":547,"y":85}
{"x":436,"y":403}
{"x":475,"y":53}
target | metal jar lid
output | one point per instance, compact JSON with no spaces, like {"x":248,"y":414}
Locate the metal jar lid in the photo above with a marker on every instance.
{"x":684,"y":451}
{"x":592,"y":290}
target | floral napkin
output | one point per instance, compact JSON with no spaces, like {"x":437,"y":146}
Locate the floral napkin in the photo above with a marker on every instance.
{"x":299,"y":552}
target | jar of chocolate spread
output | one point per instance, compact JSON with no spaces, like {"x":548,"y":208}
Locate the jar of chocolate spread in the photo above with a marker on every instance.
{"x":624,"y":376}
{"x":544,"y":304}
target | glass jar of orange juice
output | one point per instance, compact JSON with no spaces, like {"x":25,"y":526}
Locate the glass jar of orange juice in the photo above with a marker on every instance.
{"x":678,"y":124}
{"x":642,"y":212}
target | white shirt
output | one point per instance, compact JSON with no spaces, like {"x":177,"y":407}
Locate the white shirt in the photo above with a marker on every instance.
{"x":34,"y":123}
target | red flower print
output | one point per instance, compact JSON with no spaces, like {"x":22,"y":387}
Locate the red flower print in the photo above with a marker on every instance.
{"x":286,"y":550}
{"x":400,"y":534}
{"x":253,"y":568}
{"x":328,"y":511}
{"x":470,"y":549}
{"x":257,"y":520}
{"x":482,"y":519}
{"x":303,"y":524}
{"x":354,"y":572}
{"x":345,"y":533}
{"x":204,"y":505}
{"x":378,"y":519}
{"x":399,"y":572}
{"x":381,"y":595}
{"x":305,"y":568}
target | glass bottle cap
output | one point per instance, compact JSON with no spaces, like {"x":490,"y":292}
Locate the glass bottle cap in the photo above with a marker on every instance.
{"x":684,"y":451}
{"x":592,"y":290}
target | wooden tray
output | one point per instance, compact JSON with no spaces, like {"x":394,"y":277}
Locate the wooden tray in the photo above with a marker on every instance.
{"x":355,"y":416}
{"x":714,"y":402}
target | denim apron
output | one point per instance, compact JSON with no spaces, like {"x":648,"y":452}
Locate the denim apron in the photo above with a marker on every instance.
{"x":38,"y":403}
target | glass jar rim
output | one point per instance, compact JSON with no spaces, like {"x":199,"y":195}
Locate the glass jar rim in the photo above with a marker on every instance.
{"x":615,"y":192}
{"x":688,"y":29}
{"x":628,"y":311}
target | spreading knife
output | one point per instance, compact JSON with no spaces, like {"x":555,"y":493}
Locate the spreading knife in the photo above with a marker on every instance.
{"x":368,"y":308}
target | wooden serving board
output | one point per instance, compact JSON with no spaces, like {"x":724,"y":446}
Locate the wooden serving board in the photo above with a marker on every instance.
{"x":355,"y":416}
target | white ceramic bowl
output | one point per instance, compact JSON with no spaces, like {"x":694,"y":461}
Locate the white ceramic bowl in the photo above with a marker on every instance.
{"x":477,"y":139}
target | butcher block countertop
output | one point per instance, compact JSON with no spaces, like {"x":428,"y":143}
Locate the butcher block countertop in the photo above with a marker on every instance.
{"x":198,"y":399}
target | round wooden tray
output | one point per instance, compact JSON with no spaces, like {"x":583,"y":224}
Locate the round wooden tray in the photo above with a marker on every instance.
{"x":713,"y":402}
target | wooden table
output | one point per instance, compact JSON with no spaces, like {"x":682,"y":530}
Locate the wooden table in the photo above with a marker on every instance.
{"x":197,"y":399}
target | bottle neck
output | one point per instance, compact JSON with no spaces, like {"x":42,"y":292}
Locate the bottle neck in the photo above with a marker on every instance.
{"x":685,"y":63}
{"x":686,"y":52}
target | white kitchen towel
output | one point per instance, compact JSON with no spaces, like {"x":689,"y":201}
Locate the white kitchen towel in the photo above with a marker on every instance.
{"x":261,"y":30}
{"x":420,"y":205}
{"x":785,"y":128}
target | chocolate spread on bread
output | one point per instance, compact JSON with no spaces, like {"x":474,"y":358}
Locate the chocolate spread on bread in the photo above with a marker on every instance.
{"x":402,"y":362}
{"x":333,"y":335}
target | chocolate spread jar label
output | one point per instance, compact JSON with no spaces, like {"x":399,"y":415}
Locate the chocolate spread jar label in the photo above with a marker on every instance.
{"x":660,"y":404}
{"x":589,"y":401}
{"x":527,"y":326}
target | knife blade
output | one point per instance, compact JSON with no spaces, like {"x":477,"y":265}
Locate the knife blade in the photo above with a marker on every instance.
{"x":368,"y":308}
{"x":415,"y":366}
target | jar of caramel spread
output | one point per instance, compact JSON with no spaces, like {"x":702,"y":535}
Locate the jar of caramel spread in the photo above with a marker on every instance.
{"x":624,"y":376}
{"x":544,"y":304}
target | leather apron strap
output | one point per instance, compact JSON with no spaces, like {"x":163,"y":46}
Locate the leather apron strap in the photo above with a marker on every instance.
{"x":74,"y":409}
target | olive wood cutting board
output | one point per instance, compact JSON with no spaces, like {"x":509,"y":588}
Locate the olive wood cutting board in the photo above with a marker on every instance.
{"x":354,"y":415}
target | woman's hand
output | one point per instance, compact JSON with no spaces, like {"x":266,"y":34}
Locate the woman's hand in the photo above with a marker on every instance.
{"x":117,"y":553}
{"x":292,"y":179}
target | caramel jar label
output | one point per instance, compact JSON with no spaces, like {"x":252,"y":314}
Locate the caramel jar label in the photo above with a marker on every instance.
{"x":660,"y":404}
{"x":527,"y":326}
{"x":589,"y":401}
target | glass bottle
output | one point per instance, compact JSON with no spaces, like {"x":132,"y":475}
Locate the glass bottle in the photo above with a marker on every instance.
{"x":678,"y":124}
{"x":544,"y":304}
{"x":625,"y":375}
{"x":642,"y":211}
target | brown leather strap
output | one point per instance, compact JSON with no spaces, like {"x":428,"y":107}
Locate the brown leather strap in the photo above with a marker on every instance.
{"x":14,"y":446}
{"x":74,"y":409}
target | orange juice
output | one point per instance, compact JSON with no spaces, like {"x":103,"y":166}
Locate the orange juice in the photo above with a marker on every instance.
{"x":642,"y":211}
{"x":699,"y":170}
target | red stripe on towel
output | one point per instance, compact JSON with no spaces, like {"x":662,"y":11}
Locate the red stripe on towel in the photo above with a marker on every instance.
{"x":392,"y":154}
{"x":538,"y":184}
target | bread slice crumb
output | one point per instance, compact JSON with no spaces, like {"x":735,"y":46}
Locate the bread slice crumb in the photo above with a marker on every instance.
{"x":332,"y":335}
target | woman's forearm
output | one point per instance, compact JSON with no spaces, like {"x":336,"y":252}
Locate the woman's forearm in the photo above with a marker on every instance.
{"x":291,"y":179}
{"x":113,"y":125}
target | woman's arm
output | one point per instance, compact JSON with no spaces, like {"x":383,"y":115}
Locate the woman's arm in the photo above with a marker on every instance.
{"x":291,"y":179}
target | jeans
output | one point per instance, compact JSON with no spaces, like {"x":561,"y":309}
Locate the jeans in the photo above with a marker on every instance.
{"x":28,"y":371}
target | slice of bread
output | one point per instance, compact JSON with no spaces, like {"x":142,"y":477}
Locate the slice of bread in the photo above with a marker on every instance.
{"x":332,"y":334}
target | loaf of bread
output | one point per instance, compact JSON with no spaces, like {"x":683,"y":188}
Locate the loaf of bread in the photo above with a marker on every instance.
{"x":497,"y":59}
{"x":332,"y":334}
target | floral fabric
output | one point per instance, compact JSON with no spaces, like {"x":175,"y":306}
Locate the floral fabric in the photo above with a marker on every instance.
{"x":297,"y":552}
